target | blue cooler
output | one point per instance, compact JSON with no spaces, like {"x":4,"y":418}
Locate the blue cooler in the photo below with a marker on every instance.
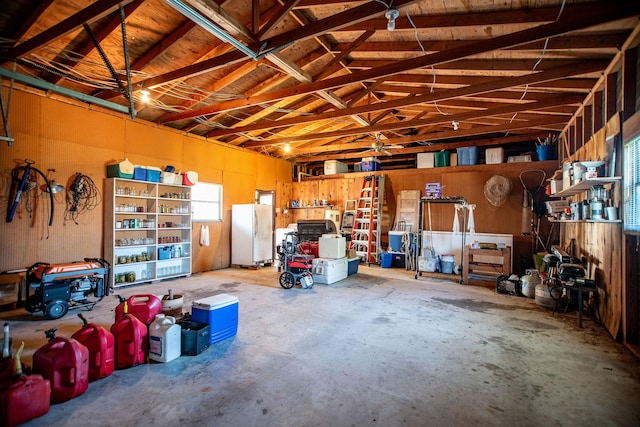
{"x":220,"y":312}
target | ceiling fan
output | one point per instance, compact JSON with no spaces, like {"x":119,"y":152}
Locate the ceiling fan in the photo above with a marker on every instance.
{"x":378,"y":147}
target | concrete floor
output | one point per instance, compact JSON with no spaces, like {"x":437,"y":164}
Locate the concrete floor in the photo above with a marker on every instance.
{"x":377,"y":349}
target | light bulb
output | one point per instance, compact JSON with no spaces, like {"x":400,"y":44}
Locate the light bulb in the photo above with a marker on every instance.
{"x":391,"y":14}
{"x":391,"y":25}
{"x":145,"y":95}
{"x":286,"y":148}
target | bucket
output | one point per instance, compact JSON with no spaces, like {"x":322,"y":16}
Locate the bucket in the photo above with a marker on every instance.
{"x":545,"y":152}
{"x":386,"y":260}
{"x":164,"y":339}
{"x":446,"y":263}
{"x":172,"y":304}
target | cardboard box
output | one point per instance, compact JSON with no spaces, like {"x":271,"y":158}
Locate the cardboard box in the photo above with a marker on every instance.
{"x":220,"y":312}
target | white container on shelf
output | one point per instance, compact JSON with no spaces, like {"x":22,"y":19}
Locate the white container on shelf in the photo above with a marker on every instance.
{"x":332,"y":167}
{"x":494,"y":156}
{"x":426,"y":160}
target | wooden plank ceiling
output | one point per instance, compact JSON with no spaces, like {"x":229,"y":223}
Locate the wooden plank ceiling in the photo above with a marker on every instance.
{"x":327,"y":79}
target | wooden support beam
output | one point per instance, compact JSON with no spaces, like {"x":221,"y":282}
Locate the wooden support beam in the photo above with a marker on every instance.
{"x":612,"y":95}
{"x":90,"y":14}
{"x":592,"y":15}
{"x":598,"y":111}
{"x":587,"y":122}
{"x":629,"y":82}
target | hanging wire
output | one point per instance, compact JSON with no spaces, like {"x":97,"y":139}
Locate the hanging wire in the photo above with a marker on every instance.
{"x":82,"y":196}
{"x":544,"y":50}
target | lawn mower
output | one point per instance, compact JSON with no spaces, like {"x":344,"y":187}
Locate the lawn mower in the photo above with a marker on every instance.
{"x":57,"y":288}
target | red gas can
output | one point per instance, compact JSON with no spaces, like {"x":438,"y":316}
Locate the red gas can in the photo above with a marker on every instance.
{"x":131,"y":339}
{"x":24,"y":399}
{"x":101,"y":345}
{"x":144,"y":307}
{"x":65,"y":363}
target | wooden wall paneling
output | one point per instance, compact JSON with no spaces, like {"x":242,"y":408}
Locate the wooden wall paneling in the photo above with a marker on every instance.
{"x":598,"y":111}
{"x":611,"y":95}
{"x":579,"y":132}
{"x":629,"y":81}
{"x":572,"y":140}
{"x":631,"y":293}
{"x":587,"y":122}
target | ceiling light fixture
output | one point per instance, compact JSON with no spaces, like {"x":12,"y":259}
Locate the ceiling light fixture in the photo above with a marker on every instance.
{"x":144,"y":96}
{"x":455,"y":124}
{"x":391,"y":14}
{"x":286,"y":148}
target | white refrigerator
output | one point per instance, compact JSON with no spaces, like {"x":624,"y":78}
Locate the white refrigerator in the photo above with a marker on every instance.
{"x":251,"y":234}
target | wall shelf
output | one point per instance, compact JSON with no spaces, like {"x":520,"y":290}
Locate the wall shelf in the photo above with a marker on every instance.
{"x":585,"y":185}
{"x":141,"y":223}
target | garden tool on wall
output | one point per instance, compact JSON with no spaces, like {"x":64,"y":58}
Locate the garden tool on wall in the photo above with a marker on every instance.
{"x":24,"y":179}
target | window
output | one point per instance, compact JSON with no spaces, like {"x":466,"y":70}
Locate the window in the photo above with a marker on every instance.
{"x":206,"y":201}
{"x":632,"y":185}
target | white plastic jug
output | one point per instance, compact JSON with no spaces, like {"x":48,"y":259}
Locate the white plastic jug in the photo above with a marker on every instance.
{"x":164,"y":339}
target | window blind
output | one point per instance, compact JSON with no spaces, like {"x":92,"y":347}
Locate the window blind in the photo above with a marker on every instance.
{"x":631,"y":183}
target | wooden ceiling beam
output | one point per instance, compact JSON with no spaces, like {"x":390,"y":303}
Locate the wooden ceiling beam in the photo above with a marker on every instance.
{"x":490,"y":86}
{"x":588,"y":41}
{"x":276,"y":18}
{"x":331,"y":23}
{"x":87,"y":47}
{"x":592,"y":15}
{"x":88,"y":15}
{"x":508,"y":109}
{"x":30,"y":20}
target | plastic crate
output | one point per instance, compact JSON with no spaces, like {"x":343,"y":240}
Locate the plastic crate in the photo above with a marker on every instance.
{"x":441,"y":158}
{"x":467,"y":156}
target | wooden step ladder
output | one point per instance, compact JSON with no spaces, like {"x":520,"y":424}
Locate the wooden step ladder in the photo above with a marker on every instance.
{"x":367,"y":226}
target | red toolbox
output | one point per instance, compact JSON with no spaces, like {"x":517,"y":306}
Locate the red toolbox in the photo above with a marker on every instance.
{"x":65,"y":363}
{"x":144,"y":307}
{"x":131,"y":340}
{"x":101,"y":345}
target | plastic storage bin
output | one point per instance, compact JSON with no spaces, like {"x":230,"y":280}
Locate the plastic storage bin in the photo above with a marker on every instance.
{"x":352,"y":267}
{"x":153,"y":174}
{"x":140,"y":173}
{"x":386,"y":260}
{"x":467,"y":156}
{"x":441,"y":158}
{"x":220,"y":312}
{"x":332,"y":246}
{"x":494,"y":156}
{"x":426,"y":160}
{"x":397,"y":259}
{"x":195,"y":337}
